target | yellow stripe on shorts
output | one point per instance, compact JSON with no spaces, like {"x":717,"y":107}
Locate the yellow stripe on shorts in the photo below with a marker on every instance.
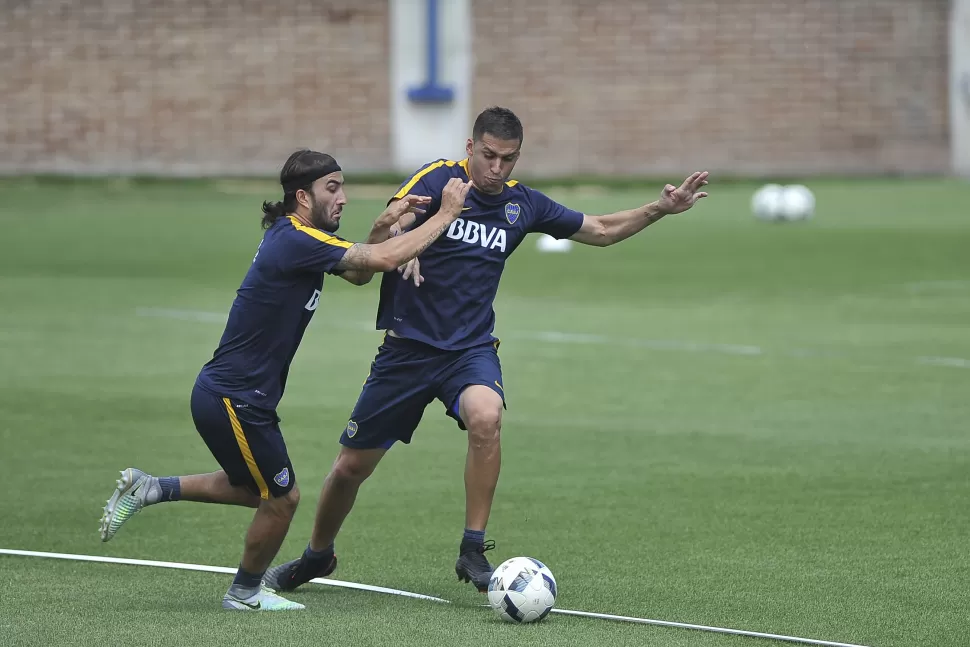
{"x":237,"y":430}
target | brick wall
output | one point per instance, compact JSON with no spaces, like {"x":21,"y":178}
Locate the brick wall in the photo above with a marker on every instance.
{"x":189,"y":86}
{"x":744,"y":85}
{"x":603,"y":86}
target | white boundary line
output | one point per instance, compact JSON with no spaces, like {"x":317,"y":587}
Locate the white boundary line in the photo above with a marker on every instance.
{"x":719,"y":630}
{"x":419,"y":596}
{"x":207,"y":569}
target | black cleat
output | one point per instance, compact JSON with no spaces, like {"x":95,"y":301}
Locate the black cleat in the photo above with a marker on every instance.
{"x":288,"y":576}
{"x":472,"y":565}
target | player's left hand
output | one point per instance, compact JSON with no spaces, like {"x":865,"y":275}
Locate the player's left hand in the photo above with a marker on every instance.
{"x":678,"y":199}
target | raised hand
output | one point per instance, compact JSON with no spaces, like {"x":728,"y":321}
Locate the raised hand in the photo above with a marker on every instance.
{"x":407,"y":204}
{"x":453,"y":196}
{"x":678,"y":199}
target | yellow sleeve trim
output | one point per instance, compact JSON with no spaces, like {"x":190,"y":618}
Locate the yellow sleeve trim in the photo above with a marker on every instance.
{"x":420,"y":174}
{"x":319,"y":235}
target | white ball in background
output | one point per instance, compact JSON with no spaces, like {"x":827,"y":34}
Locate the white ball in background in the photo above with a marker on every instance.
{"x":767,"y":202}
{"x":547,"y":243}
{"x":798,"y":202}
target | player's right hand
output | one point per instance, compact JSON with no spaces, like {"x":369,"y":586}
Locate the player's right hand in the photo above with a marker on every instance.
{"x":407,"y":204}
{"x":453,"y":196}
{"x":412,"y":269}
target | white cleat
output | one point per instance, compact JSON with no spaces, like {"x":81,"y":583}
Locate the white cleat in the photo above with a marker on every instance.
{"x":124,"y":503}
{"x":263,"y":600}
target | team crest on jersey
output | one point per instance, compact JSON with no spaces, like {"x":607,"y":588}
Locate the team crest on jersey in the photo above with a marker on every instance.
{"x":283,"y":478}
{"x":351,"y":429}
{"x":512,"y":212}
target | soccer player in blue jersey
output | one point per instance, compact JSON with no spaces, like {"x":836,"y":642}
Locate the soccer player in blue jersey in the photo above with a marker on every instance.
{"x":439,"y":342}
{"x":236,"y":394}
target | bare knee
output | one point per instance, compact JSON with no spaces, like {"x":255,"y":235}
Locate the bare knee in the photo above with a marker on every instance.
{"x":354,"y":466}
{"x":292,"y":497}
{"x":483,"y":419}
{"x":286,"y":505}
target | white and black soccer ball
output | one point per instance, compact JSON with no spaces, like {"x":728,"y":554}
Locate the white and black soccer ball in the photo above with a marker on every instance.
{"x":522,"y":589}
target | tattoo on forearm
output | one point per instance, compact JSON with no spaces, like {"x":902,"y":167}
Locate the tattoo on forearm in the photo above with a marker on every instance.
{"x":652,"y":218}
{"x":433,"y":236}
{"x":356,"y":258}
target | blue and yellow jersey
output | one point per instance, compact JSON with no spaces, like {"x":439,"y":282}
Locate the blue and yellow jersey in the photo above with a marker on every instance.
{"x":452,"y":309}
{"x":270,"y":313}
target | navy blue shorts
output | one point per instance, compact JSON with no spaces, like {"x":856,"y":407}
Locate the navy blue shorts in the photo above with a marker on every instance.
{"x":405,"y":377}
{"x":246,"y":441}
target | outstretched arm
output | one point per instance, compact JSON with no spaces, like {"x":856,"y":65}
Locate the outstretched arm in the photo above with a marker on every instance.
{"x":612,"y":228}
{"x":393,"y":252}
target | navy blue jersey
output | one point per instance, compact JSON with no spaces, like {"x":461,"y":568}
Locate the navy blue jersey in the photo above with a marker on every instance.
{"x":452,"y":309}
{"x":271,"y":311}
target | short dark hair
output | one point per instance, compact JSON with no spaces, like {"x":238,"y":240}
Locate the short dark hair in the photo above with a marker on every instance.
{"x":497,"y":122}
{"x":299,"y":163}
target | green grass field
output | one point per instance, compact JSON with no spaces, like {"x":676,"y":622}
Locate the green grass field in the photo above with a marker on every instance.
{"x":721,"y":422}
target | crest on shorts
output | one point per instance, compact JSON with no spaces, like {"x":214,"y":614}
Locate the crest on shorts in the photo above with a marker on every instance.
{"x":283,"y":478}
{"x":512,"y":212}
{"x":351,"y":429}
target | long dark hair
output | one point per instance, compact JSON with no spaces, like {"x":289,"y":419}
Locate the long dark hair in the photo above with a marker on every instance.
{"x":301,"y":163}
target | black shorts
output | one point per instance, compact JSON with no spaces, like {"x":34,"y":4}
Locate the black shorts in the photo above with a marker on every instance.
{"x":405,"y":378}
{"x":246,"y":441}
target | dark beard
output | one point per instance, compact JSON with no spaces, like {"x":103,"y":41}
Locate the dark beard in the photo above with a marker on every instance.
{"x":320,"y":219}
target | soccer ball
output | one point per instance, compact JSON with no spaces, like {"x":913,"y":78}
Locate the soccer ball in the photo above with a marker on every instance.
{"x":767,"y":202}
{"x":774,"y":202}
{"x":547,"y":243}
{"x":797,"y":202}
{"x":522,"y":590}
